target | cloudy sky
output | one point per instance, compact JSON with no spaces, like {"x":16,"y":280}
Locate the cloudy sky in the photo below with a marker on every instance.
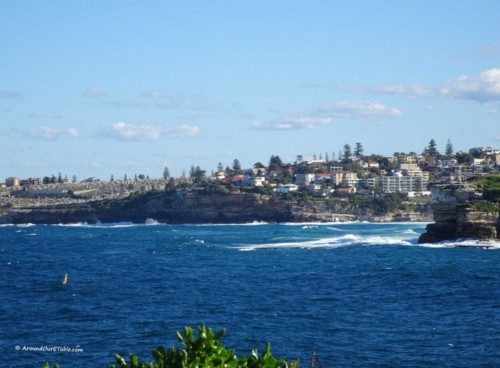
{"x":101,"y":88}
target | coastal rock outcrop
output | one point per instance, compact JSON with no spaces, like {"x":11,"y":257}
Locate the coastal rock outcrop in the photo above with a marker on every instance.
{"x":183,"y":206}
{"x":459,"y":215}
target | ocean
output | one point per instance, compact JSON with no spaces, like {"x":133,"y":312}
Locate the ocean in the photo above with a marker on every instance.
{"x":355,"y":294}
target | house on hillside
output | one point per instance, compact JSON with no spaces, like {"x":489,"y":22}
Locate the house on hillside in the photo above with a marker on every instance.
{"x":13,"y":182}
{"x":257,"y":181}
{"x":220,"y":175}
{"x":320,"y":178}
{"x":304,"y":179}
{"x":345,"y":191}
{"x":287,"y":188}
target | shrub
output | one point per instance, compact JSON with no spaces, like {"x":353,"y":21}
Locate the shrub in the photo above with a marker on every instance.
{"x":204,"y":350}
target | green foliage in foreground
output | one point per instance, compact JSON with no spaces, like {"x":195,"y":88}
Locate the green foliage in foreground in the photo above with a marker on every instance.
{"x":202,"y":351}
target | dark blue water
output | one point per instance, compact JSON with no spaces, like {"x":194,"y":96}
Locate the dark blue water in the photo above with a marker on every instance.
{"x":359,"y":295}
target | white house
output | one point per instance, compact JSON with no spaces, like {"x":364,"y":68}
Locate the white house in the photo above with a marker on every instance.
{"x":257,"y":181}
{"x":287,"y":188}
{"x":303,"y":179}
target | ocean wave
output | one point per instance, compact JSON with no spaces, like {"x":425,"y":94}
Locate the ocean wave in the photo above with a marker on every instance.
{"x":320,"y":223}
{"x":99,"y":225}
{"x":151,"y":222}
{"x":464,"y":243}
{"x":253,"y":223}
{"x":334,"y":242}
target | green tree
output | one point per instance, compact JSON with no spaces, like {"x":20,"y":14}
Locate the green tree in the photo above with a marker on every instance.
{"x":347,"y":152}
{"x":197,"y":174}
{"x":464,"y":158}
{"x":220,"y":166}
{"x":358,"y":151}
{"x":166,"y":173}
{"x":431,"y":149}
{"x":275,"y":163}
{"x":236,"y":166}
{"x":449,"y":148}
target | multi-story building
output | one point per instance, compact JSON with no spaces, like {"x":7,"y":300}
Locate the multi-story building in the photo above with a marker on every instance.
{"x":403,"y":184}
{"x":346,"y":179}
{"x":13,"y":182}
{"x":411,"y":169}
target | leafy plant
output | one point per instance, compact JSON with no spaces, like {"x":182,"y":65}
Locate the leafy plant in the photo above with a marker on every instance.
{"x":203,"y":351}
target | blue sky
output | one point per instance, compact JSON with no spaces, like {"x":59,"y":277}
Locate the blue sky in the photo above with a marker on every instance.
{"x":101,"y":88}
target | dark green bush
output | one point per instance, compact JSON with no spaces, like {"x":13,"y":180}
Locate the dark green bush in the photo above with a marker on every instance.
{"x":201,"y":351}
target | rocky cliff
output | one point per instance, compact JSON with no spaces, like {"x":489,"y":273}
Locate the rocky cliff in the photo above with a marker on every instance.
{"x":459,"y":216}
{"x":176,"y":207}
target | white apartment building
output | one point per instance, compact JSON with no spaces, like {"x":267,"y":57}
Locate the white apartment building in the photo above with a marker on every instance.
{"x":346,"y":179}
{"x":403,"y":184}
{"x":411,"y":169}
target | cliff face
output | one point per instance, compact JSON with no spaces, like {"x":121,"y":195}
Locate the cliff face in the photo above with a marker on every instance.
{"x":175,"y":208}
{"x":461,"y":221}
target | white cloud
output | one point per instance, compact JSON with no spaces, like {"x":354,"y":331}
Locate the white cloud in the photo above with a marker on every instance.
{"x":481,"y":88}
{"x":73,"y":132}
{"x":45,"y":133}
{"x":129,"y":132}
{"x":407,"y":90}
{"x":183,"y":131}
{"x":291,"y":123}
{"x":95,"y":92}
{"x":357,"y":110}
{"x":157,"y":93}
{"x":484,"y":87}
{"x":51,"y":134}
{"x":326,"y":113}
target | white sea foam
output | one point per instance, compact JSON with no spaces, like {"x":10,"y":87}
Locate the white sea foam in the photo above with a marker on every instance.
{"x":99,"y":225}
{"x":254,"y":223}
{"x":409,"y":231}
{"x":151,"y":221}
{"x":336,"y":229}
{"x":334,"y":242}
{"x":465,"y":243}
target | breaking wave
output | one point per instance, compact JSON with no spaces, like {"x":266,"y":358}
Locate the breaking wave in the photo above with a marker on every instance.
{"x":465,"y":243}
{"x":334,"y":242}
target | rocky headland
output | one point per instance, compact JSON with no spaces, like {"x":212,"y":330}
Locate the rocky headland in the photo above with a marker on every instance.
{"x":204,"y":205}
{"x":174,"y":208}
{"x":462,"y":212}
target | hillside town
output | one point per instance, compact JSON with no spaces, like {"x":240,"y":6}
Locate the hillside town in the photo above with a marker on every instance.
{"x":352,"y":174}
